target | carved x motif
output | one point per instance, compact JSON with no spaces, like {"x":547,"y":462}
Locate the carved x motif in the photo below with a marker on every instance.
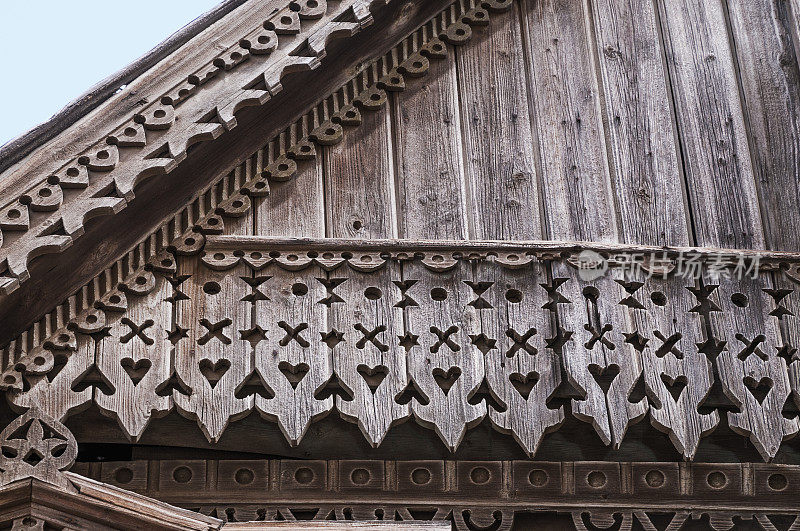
{"x":520,"y":342}
{"x":599,"y":336}
{"x":371,"y":336}
{"x":293,"y":332}
{"x":444,"y":339}
{"x":137,"y":331}
{"x":215,"y":330}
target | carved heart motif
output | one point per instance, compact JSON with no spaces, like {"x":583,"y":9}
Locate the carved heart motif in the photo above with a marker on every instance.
{"x":759,"y":389}
{"x":136,"y":370}
{"x":293,"y":373}
{"x":214,"y":371}
{"x":374,"y":376}
{"x":675,"y":386}
{"x":524,"y":383}
{"x":604,"y":375}
{"x":446,"y":380}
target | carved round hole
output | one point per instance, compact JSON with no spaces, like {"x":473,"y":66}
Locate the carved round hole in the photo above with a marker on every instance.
{"x":330,"y":131}
{"x":437,"y":47}
{"x":123,"y":475}
{"x":658,"y":298}
{"x":654,"y":479}
{"x":103,"y":155}
{"x":140,"y":280}
{"x":115,"y":299}
{"x":182,"y":474}
{"x":189,"y":241}
{"x":479,"y":14}
{"x":514,"y":295}
{"x":305,"y":148}
{"x":129,"y":131}
{"x":9,"y":379}
{"x":312,"y":4}
{"x":538,"y":478}
{"x":45,"y":192}
{"x":14,"y":213}
{"x":304,"y":475}
{"x":375,"y":96}
{"x":63,"y":338}
{"x":29,"y":521}
{"x":39,"y":360}
{"x":244,"y":476}
{"x":357,"y":225}
{"x":219,"y":256}
{"x":261,"y":184}
{"x":716,"y":480}
{"x":299,"y":289}
{"x":73,"y":172}
{"x":237,"y":204}
{"x":91,"y":319}
{"x":350,"y":114}
{"x":286,"y":21}
{"x":460,"y":32}
{"x":480,"y":475}
{"x":739,"y":299}
{"x":438,"y":294}
{"x":596,"y":479}
{"x":160,"y":113}
{"x":292,"y":258}
{"x":777,"y":482}
{"x":421,"y":476}
{"x":360,"y":476}
{"x":417,"y":64}
{"x":366,"y":259}
{"x":212,"y":288}
{"x":213,"y":221}
{"x":256,"y":255}
{"x":373,"y":293}
{"x":394,"y":80}
{"x":236,"y":56}
{"x":264,"y":39}
{"x":283,"y":167}
{"x":53,"y":179}
{"x":166,"y":262}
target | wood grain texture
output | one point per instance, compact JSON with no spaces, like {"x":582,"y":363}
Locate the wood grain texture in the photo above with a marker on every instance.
{"x":431,"y":189}
{"x":646,"y":171}
{"x":719,"y":172}
{"x":295,"y":207}
{"x":577,"y":190}
{"x":499,"y":151}
{"x":768,"y":68}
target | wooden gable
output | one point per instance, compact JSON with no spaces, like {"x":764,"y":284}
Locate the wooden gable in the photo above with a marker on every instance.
{"x":393,"y":214}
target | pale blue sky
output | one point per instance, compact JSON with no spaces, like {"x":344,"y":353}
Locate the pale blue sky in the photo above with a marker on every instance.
{"x":51,"y":51}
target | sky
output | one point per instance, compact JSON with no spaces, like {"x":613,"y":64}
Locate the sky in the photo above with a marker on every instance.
{"x":52,"y":51}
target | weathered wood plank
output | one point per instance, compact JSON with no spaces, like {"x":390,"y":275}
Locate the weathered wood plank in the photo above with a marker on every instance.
{"x":646,"y":171}
{"x":768,"y":67}
{"x":499,"y":151}
{"x":578,"y":198}
{"x":427,"y":137}
{"x":722,"y":191}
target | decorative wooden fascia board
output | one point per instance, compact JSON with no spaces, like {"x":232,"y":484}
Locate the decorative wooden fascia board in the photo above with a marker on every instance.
{"x":31,"y":504}
{"x":101,"y":180}
{"x":587,"y":495}
{"x":230,"y":197}
{"x":446,"y":332}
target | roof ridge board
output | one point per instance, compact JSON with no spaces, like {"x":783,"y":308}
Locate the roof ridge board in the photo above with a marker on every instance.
{"x":218,"y":199}
{"x":22,"y":145}
{"x":110,"y":191}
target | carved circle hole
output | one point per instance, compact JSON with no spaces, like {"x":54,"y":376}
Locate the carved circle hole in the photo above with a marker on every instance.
{"x":160,"y":113}
{"x":219,"y":256}
{"x":237,"y":204}
{"x":114,"y":299}
{"x":417,"y":64}
{"x":283,"y":167}
{"x":514,"y":295}
{"x":305,"y":148}
{"x":777,"y":482}
{"x":596,"y":479}
{"x":358,"y":225}
{"x":189,"y":241}
{"x":658,"y":298}
{"x":29,"y":521}
{"x":166,"y":262}
{"x":123,"y":475}
{"x":14,"y":213}
{"x":9,"y":379}
{"x":91,"y":319}
{"x":421,"y":476}
{"x":140,"y":280}
{"x":63,"y":338}
{"x":716,"y":480}
{"x":538,"y":478}
{"x":256,"y":256}
{"x":130,"y":131}
{"x":375,"y":96}
{"x":286,"y":21}
{"x":45,"y":192}
{"x":460,"y":32}
{"x":39,"y":360}
{"x":212,"y":288}
{"x":311,"y":4}
{"x":74,"y":172}
{"x":438,"y":294}
{"x":480,"y":475}
{"x":53,"y":179}
{"x":103,"y":155}
{"x":182,"y":474}
{"x":739,"y":299}
{"x":373,"y":293}
{"x":654,"y":479}
{"x":360,"y":476}
{"x":244,"y":476}
{"x":264,"y":39}
{"x":299,"y":289}
{"x":304,"y":475}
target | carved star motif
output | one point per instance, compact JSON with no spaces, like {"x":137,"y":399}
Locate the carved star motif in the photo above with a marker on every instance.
{"x":408,"y":340}
{"x":789,"y":353}
{"x":177,"y":333}
{"x":637,"y":340}
{"x":254,"y":335}
{"x":560,"y":339}
{"x":332,"y":338}
{"x":483,"y":342}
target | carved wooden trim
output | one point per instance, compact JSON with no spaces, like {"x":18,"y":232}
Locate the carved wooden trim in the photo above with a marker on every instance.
{"x":230,"y":196}
{"x":147,"y":145}
{"x":445,"y":332}
{"x":470,"y":493}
